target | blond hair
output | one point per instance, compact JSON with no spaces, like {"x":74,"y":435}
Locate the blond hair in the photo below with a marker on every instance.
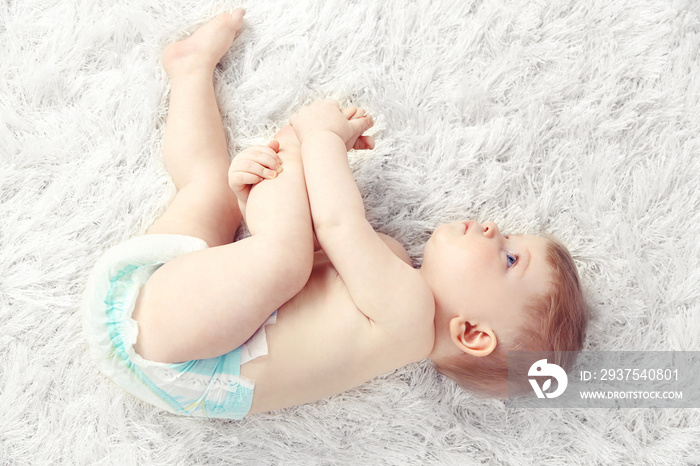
{"x":556,"y":322}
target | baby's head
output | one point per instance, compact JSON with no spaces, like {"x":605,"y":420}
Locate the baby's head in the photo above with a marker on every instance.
{"x":496,"y":293}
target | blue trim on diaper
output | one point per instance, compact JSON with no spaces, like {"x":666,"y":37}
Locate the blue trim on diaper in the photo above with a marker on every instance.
{"x":114,"y":322}
{"x":229,"y":363}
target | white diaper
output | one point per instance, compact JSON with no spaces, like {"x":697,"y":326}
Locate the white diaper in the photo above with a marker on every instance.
{"x":207,"y":388}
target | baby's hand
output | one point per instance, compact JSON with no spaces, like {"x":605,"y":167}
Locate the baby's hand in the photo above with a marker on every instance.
{"x":348,"y":123}
{"x":251,"y":166}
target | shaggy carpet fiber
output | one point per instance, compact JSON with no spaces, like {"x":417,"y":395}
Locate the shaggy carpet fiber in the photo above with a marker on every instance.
{"x":577,"y":117}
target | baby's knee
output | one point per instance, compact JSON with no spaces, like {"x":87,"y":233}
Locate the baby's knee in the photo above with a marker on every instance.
{"x":287,"y":136}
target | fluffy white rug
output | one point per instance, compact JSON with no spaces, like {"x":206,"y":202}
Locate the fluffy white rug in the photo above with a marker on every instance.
{"x":580,"y":117}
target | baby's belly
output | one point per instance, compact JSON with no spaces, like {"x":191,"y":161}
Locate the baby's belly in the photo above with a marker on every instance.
{"x":319,"y":346}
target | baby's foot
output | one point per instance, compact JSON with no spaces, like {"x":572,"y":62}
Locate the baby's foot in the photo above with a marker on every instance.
{"x":204,"y":48}
{"x":364,"y":122}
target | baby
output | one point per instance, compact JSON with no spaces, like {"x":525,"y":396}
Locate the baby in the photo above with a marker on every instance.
{"x":192,"y":322}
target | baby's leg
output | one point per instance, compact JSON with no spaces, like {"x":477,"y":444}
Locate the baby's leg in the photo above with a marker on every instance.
{"x":195,"y":149}
{"x":209,"y":302}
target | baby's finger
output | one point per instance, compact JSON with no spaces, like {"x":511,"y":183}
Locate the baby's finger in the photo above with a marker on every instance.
{"x":239,"y":180}
{"x":349,"y":112}
{"x":360,"y":125}
{"x":272,"y":154}
{"x":364,"y":143}
{"x":262,"y":155}
{"x":274,"y":145}
{"x":268,"y":159}
{"x":256,"y":163}
{"x":259,"y":166}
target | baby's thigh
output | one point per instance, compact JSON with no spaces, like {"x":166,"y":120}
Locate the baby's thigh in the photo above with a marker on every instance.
{"x":206,"y":303}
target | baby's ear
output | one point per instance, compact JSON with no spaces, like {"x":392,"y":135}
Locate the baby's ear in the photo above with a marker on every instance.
{"x":472,"y":338}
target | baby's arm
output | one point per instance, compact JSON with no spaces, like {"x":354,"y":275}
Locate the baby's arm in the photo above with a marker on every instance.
{"x":383,"y":287}
{"x":326,"y":134}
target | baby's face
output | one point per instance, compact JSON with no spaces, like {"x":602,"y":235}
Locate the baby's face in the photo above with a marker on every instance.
{"x":489,"y":278}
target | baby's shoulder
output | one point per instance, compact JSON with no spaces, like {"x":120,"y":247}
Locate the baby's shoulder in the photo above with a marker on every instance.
{"x":398,"y":306}
{"x":396,"y":247}
{"x":414,"y":322}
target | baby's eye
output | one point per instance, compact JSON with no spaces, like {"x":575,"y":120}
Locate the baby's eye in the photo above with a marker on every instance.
{"x":511,"y":260}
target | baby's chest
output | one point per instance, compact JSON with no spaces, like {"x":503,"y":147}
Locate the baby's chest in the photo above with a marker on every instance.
{"x":322,"y":316}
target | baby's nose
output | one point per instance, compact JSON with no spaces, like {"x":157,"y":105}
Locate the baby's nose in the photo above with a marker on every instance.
{"x":491,"y":230}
